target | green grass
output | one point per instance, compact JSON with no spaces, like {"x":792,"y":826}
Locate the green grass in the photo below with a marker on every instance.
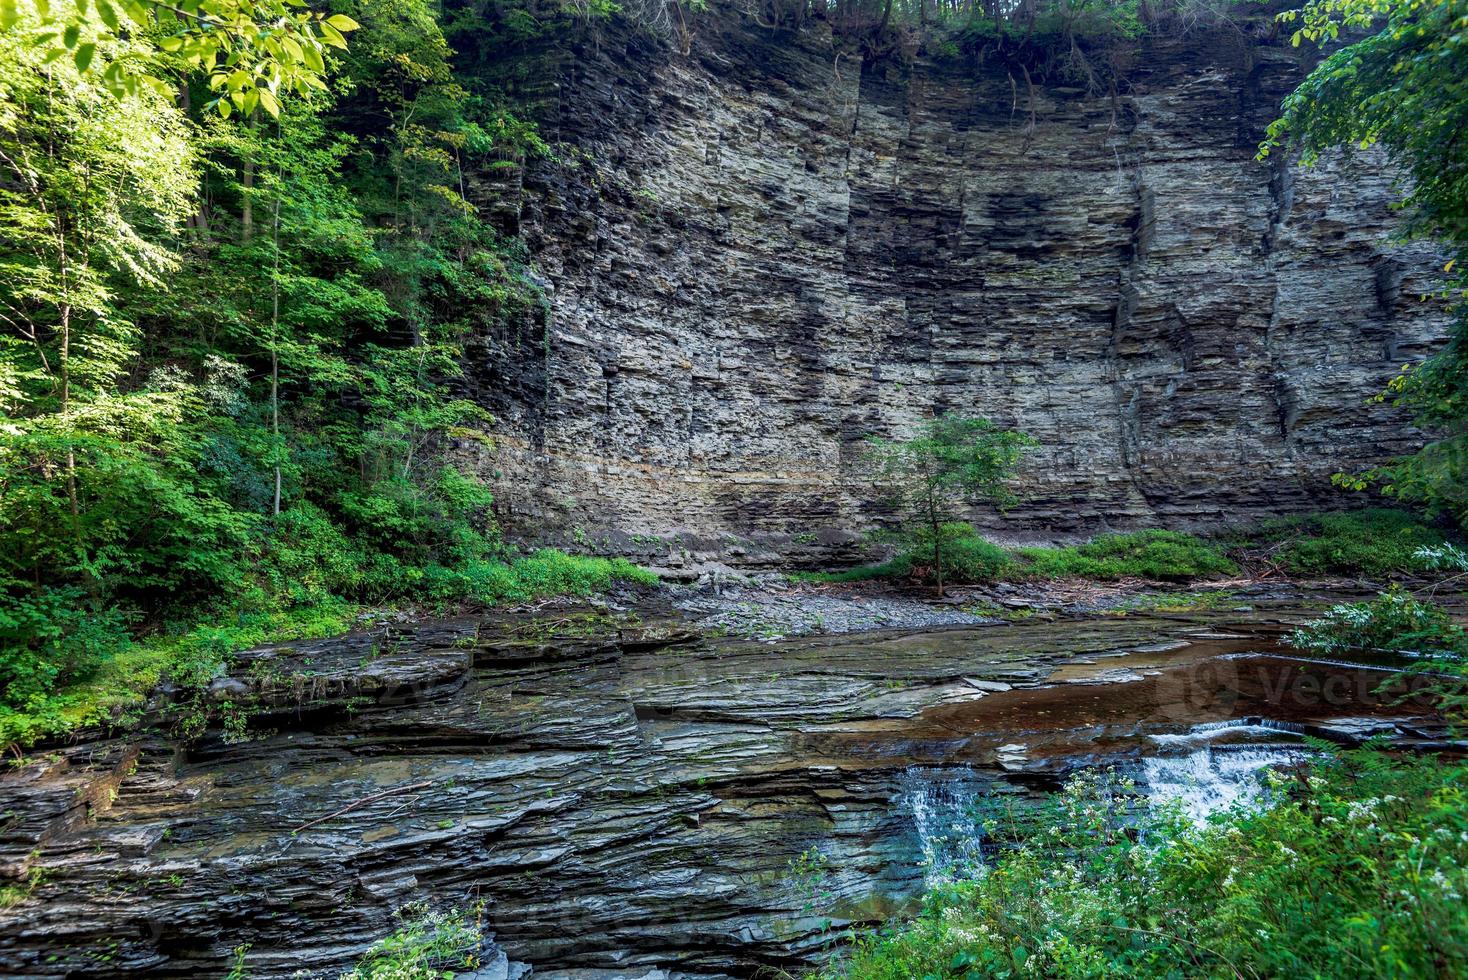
{"x":1179,"y":602}
{"x":970,"y":559}
{"x":115,"y":691}
{"x":1357,"y":869}
{"x":1377,"y":542}
{"x":1161,"y":555}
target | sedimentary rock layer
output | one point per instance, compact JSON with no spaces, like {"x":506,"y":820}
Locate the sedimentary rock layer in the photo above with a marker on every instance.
{"x":758,"y":253}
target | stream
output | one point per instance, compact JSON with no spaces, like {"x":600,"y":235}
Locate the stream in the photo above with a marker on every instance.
{"x":627,"y":798}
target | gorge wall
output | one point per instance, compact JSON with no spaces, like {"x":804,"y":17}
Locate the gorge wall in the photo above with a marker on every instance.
{"x":758,"y":253}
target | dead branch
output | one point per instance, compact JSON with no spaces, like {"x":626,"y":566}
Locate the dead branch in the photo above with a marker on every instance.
{"x":362,"y":802}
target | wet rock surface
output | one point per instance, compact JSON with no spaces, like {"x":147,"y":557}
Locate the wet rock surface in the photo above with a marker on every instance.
{"x":623,"y":796}
{"x":761,"y":252}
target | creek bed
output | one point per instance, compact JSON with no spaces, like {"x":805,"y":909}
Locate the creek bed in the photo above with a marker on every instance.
{"x":629,"y":800}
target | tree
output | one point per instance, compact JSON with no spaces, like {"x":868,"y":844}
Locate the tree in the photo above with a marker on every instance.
{"x":952,"y":459}
{"x":1403,"y":86}
{"x":253,"y":52}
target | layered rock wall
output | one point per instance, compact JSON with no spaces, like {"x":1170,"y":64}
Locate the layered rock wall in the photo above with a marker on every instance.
{"x":760,"y":252}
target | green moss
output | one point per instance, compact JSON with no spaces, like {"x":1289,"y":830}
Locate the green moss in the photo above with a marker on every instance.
{"x":1163,"y":555}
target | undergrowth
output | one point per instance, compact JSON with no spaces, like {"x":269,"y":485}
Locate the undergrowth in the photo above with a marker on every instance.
{"x":113,"y":686}
{"x":1357,"y":868}
{"x":1162,"y":555}
{"x":1376,"y":542}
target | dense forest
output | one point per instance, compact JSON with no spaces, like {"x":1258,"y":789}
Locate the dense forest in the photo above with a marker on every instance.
{"x":243,"y":247}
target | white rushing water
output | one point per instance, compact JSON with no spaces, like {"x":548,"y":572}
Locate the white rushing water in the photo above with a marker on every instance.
{"x":1205,"y":769}
{"x":1213,"y":777}
{"x":944,"y":805}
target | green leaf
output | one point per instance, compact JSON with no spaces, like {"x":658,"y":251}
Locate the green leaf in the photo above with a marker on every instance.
{"x":109,"y":16}
{"x":311,"y":55}
{"x":332,"y":36}
{"x":9,"y":15}
{"x":83,"y":56}
{"x":71,"y":35}
{"x":342,"y":22}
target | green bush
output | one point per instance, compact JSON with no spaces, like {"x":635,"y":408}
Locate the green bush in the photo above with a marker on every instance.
{"x":545,"y":573}
{"x":967,"y":557}
{"x":51,"y":638}
{"x":66,"y":662}
{"x":1376,"y":542}
{"x":1358,"y":869}
{"x":427,"y":945}
{"x":1166,"y":555}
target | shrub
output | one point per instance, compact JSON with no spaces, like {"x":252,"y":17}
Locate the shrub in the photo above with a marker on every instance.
{"x":51,"y":638}
{"x":1398,"y":622}
{"x":427,"y":945}
{"x":967,"y":557}
{"x":1167,"y":555}
{"x":1367,"y":542}
{"x":1360,"y":870}
{"x":1393,"y":621}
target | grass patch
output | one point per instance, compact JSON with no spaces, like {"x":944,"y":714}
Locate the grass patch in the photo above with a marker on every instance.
{"x":967,"y":558}
{"x":1161,"y":555}
{"x":1375,"y":542}
{"x":1356,"y":868}
{"x":115,"y":690}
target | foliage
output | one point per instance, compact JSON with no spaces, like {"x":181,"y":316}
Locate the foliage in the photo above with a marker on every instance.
{"x":111,"y":688}
{"x":1403,"y":86}
{"x":1374,"y":542}
{"x":1163,"y":555}
{"x":1398,"y":622}
{"x":966,"y":556}
{"x":252,"y":52}
{"x":1356,"y":868}
{"x":427,"y":945}
{"x":87,"y":669}
{"x":231,"y":354}
{"x":1395,"y":621}
{"x":950,"y":460}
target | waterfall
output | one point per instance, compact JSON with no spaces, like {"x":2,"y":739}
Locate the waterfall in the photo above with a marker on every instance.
{"x":1213,"y":777}
{"x":943,"y":805}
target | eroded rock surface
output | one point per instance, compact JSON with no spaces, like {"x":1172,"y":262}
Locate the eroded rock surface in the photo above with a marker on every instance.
{"x":760,"y":253}
{"x":624,"y":800}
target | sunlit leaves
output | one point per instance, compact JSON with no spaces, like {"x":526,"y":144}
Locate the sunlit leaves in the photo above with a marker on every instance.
{"x":253,"y":52}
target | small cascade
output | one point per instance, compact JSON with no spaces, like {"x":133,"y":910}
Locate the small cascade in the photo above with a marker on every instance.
{"x":1233,"y":729}
{"x":1214,"y":777}
{"x":943,"y":805}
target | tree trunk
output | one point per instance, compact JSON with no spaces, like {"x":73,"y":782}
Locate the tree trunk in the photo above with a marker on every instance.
{"x":937,"y":529}
{"x":247,"y":181}
{"x":275,"y":351}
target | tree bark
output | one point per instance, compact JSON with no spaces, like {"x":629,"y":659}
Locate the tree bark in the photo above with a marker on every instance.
{"x":247,"y":181}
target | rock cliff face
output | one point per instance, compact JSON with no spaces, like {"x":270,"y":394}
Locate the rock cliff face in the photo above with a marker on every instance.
{"x":760,"y":253}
